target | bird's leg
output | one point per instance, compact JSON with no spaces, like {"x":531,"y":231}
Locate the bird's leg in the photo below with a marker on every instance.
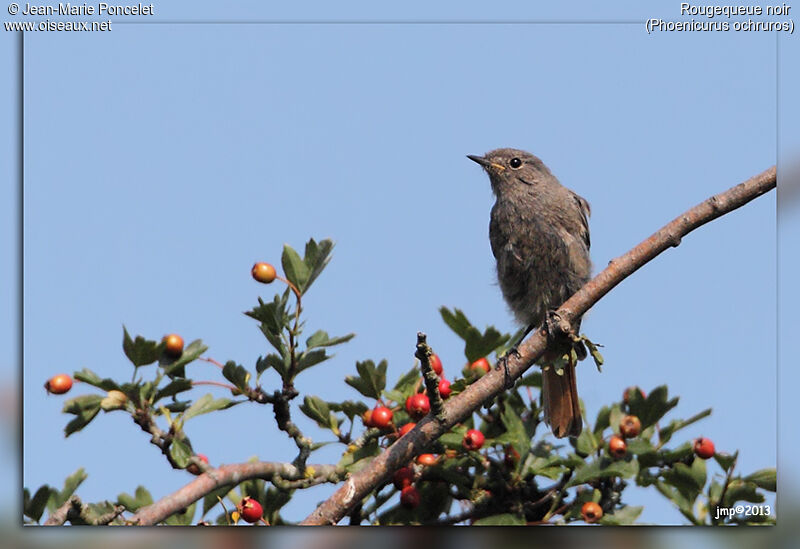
{"x":502,"y":362}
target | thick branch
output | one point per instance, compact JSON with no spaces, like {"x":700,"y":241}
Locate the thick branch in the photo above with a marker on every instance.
{"x":232,"y":475}
{"x":332,"y":510}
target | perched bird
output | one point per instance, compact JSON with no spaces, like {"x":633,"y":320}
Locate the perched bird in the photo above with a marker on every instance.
{"x":539,"y":232}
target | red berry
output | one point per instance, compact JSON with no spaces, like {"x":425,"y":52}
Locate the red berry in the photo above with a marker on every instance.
{"x":473,"y":440}
{"x":173,"y":345}
{"x":444,"y":388}
{"x":704,"y":448}
{"x":630,"y":426}
{"x":194,"y":469}
{"x":406,"y":428}
{"x":250,"y":510}
{"x":381,"y":417}
{"x":409,"y":497}
{"x":592,"y":512}
{"x":366,"y":417}
{"x":403,"y":477}
{"x":436,"y":364}
{"x":626,"y":396}
{"x":418,"y":405}
{"x":58,"y":384}
{"x":263,"y":272}
{"x":480,"y":365}
{"x":617,"y":446}
{"x":427,"y":459}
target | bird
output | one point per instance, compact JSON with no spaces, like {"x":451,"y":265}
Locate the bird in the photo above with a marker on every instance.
{"x":539,"y":235}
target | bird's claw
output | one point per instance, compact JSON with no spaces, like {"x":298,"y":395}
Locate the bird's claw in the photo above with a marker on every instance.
{"x":502,"y":362}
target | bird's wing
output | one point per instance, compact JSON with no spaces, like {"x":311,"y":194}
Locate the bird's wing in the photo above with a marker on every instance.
{"x":585,"y":211}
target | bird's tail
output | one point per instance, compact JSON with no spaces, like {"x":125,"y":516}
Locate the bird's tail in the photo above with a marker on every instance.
{"x":562,"y":411}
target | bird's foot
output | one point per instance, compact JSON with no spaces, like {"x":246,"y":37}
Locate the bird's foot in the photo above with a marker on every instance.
{"x":502,"y":362}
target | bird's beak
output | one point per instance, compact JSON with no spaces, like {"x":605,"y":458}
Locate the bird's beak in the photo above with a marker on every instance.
{"x":479,"y":159}
{"x":487,"y":164}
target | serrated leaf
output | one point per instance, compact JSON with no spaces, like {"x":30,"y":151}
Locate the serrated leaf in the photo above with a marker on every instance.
{"x":726,"y":460}
{"x":85,"y":408}
{"x":294,"y":268}
{"x":311,"y":358}
{"x":207,"y":403}
{"x":371,"y":380}
{"x":317,"y":257}
{"x":274,"y":361}
{"x":764,"y":478}
{"x":133,"y":503}
{"x":685,"y":480}
{"x":517,"y":435}
{"x":741,"y":490}
{"x":180,"y":453}
{"x":139,"y":351}
{"x":88,"y":376}
{"x":603,"y":469}
{"x":456,"y":320}
{"x":506,"y":519}
{"x":350,"y":408}
{"x":36,"y":505}
{"x":320,"y":338}
{"x":183,"y":517}
{"x":236,"y":374}
{"x":173,"y":388}
{"x":318,"y":410}
{"x":175,"y":366}
{"x":407,"y":381}
{"x":653,"y":408}
{"x":477,"y":344}
{"x":623,"y":516}
{"x":675,"y":425}
{"x":71,"y":484}
{"x":586,"y":442}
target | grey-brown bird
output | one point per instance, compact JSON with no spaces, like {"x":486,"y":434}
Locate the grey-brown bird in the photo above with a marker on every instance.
{"x":539,"y":232}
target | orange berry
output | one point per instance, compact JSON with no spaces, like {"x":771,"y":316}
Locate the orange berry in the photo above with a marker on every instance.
{"x":263,"y":272}
{"x":406,"y":428}
{"x":704,"y":448}
{"x":436,"y":364}
{"x":58,"y":384}
{"x":617,"y":446}
{"x":480,"y":365}
{"x":173,"y":345}
{"x":591,"y":512}
{"x":630,"y":426}
{"x":427,"y":459}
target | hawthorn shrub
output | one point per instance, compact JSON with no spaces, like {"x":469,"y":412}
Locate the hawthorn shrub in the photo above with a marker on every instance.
{"x":516,"y":475}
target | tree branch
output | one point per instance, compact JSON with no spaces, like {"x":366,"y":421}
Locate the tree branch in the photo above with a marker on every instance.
{"x":232,"y":475}
{"x":458,"y":408}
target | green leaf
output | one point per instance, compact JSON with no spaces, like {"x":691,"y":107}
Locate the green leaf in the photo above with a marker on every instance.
{"x":586,"y":443}
{"x":133,"y":503}
{"x":350,"y":408}
{"x":680,"y":453}
{"x":71,"y":484}
{"x":236,"y":374}
{"x":741,"y":490}
{"x":88,"y":376}
{"x":506,"y":519}
{"x":687,"y":480}
{"x":180,"y":453}
{"x":726,"y":460}
{"x":371,"y":380}
{"x":274,"y":361}
{"x":210,"y":500}
{"x":677,"y":424}
{"x":320,"y":339}
{"x":85,"y":408}
{"x":534,"y":379}
{"x":625,"y":515}
{"x":295,"y":268}
{"x":318,"y":410}
{"x":549,"y":467}
{"x":316,"y":259}
{"x":175,"y":366}
{"x":34,"y":507}
{"x":596,"y":356}
{"x":407,"y":381}
{"x":176,"y":386}
{"x":311,"y":358}
{"x":207,"y":403}
{"x":140,"y":351}
{"x":764,"y":478}
{"x":357,"y":460}
{"x":183,"y":517}
{"x":478,"y":345}
{"x":653,"y":408}
{"x":517,"y":435}
{"x":602,"y":468}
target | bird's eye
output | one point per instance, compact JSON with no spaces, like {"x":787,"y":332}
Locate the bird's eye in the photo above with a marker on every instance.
{"x":515,"y":163}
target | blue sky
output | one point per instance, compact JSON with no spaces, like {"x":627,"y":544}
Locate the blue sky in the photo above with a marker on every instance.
{"x":161,"y":161}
